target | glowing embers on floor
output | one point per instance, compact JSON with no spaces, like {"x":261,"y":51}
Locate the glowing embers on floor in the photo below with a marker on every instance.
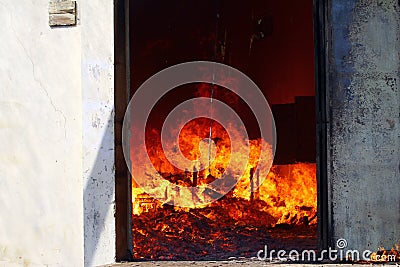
{"x":280,"y":214}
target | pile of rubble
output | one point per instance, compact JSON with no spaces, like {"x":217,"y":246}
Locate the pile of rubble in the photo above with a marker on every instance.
{"x":229,"y":227}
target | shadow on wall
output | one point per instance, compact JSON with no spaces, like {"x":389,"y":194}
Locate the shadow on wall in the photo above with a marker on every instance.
{"x":99,"y":194}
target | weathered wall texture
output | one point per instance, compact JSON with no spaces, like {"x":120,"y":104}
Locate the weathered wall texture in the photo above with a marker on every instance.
{"x":97,"y":22}
{"x":41,"y":208}
{"x":56,"y":133}
{"x":364,"y":79}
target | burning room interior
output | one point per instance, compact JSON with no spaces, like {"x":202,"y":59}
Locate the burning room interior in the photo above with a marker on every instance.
{"x":272,"y":43}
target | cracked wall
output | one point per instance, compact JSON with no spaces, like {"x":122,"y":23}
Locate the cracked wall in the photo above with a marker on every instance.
{"x":57,"y":136}
{"x":41,"y":221}
{"x":364,"y":122}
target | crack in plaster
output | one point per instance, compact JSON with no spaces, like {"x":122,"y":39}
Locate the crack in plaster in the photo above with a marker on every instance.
{"x":57,"y":110}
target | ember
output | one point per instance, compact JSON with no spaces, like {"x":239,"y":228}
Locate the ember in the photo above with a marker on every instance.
{"x":228,"y":227}
{"x":383,"y":255}
{"x":235,"y":225}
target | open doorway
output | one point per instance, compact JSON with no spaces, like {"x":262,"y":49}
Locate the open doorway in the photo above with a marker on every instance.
{"x":272,"y":42}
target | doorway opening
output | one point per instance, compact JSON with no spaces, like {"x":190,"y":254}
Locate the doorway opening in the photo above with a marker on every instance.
{"x":272,"y":42}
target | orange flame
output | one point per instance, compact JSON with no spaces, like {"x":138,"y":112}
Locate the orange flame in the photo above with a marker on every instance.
{"x":288,"y":192}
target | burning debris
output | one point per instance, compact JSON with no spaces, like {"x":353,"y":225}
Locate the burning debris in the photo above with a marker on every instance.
{"x":383,"y":255}
{"x":144,"y":203}
{"x":228,"y":227}
{"x":288,"y":192}
{"x":202,"y":188}
{"x":235,"y":225}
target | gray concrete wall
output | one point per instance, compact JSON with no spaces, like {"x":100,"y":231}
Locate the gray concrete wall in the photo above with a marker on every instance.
{"x":364,"y":130}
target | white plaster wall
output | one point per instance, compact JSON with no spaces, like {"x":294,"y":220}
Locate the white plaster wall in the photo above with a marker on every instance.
{"x":41,"y":204}
{"x":97,"y":22}
{"x":56,"y":136}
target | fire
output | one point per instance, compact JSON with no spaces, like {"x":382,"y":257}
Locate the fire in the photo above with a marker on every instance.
{"x":168,"y":199}
{"x":288,"y":192}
